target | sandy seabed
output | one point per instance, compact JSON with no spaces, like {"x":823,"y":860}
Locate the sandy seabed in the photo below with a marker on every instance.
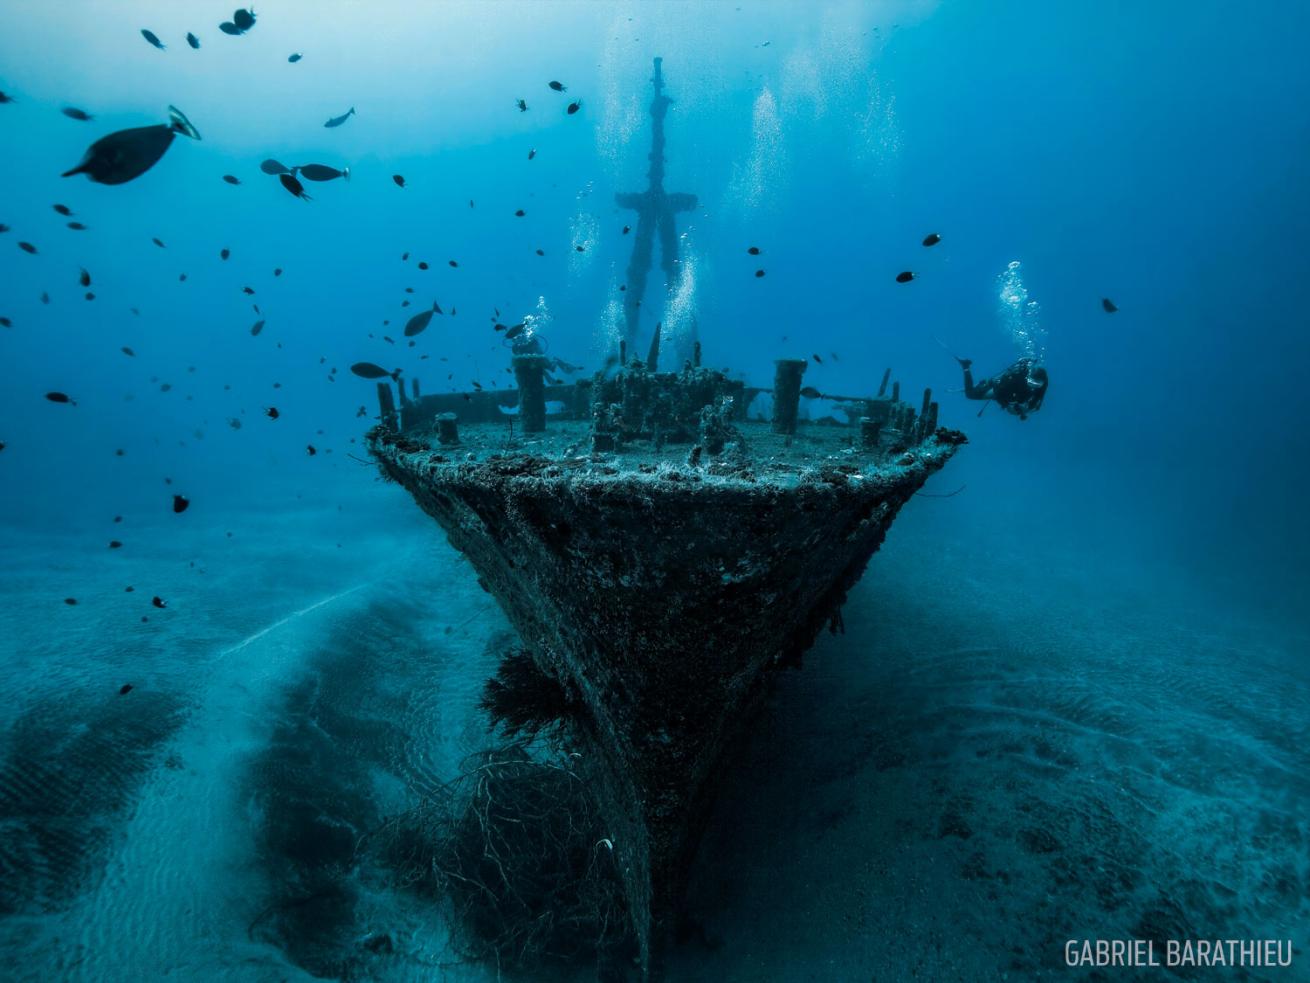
{"x":999,"y":755}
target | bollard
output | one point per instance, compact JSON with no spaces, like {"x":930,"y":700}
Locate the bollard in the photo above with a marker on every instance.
{"x":529,"y":371}
{"x":927,"y":398}
{"x":896,"y":392}
{"x":930,"y":422}
{"x":787,"y":393}
{"x":413,"y":385}
{"x":882,"y":389}
{"x":869,"y":432}
{"x":447,"y":428}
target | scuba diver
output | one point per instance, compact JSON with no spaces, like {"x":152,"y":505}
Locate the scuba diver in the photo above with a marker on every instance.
{"x":1019,"y":389}
{"x":528,"y":341}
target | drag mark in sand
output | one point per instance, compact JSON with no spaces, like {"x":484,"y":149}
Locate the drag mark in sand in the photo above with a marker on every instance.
{"x":289,"y":618}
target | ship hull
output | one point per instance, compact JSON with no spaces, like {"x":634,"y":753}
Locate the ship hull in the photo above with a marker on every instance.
{"x":660,"y":599}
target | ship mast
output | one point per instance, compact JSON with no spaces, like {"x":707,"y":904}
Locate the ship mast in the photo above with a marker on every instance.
{"x":655,"y":209}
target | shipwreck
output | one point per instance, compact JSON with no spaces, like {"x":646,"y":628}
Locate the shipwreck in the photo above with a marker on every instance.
{"x":662,"y":539}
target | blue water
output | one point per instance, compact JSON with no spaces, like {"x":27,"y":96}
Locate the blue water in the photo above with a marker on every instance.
{"x":1073,"y":700}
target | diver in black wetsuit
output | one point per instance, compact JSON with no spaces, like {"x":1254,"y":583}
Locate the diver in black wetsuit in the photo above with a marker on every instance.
{"x":1019,"y":389}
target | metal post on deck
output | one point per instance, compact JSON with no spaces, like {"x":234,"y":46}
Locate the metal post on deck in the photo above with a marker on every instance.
{"x":387,"y":405}
{"x":787,"y":393}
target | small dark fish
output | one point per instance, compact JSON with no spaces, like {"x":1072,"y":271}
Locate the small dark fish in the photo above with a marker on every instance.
{"x":158,"y":242}
{"x":58,"y":397}
{"x":574,"y":107}
{"x":905,"y":277}
{"x":150,"y":36}
{"x":627,"y":229}
{"x":244,"y":19}
{"x":368,"y":370}
{"x":399,"y":179}
{"x":72,"y":112}
{"x":27,"y":247}
{"x":158,"y":602}
{"x":295,"y":58}
{"x":77,"y":226}
{"x":127,"y":154}
{"x":181,"y":277}
{"x":278,"y":271}
{"x":231,"y":179}
{"x":84,"y":279}
{"x":125,"y":689}
{"x":70,"y":601}
{"x":4,"y":228}
{"x":295,"y":187}
{"x":227,"y":27}
{"x":249,"y":291}
{"x":321,"y":172}
{"x":338,"y":120}
{"x":419,"y":322}
{"x":404,"y":257}
{"x":522,"y":104}
{"x":579,"y":249}
{"x":520,"y":213}
{"x":257,"y":327}
{"x":192,"y":40}
{"x":4,"y":98}
{"x":45,"y":297}
{"x":422,"y":264}
{"x":272,"y":413}
{"x":128,"y":352}
{"x":532,"y":152}
{"x":754,"y":250}
{"x":310,"y":450}
{"x":931,"y":239}
{"x":114,"y":544}
{"x":274,"y":167}
{"x":809,"y":392}
{"x":181,"y":503}
{"x":224,"y":253}
{"x":558,"y":86}
{"x":759,"y":273}
{"x":6,"y":322}
{"x":1108,"y":305}
{"x":817,"y":359}
{"x":90,"y":295}
{"x":515,"y":331}
{"x":453,"y":264}
{"x":541,"y":252}
{"x":62,"y":210}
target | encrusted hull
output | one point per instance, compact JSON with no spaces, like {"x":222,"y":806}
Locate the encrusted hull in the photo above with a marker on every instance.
{"x":659,"y":596}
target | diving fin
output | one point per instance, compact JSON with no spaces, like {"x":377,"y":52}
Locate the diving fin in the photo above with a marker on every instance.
{"x":178,"y":123}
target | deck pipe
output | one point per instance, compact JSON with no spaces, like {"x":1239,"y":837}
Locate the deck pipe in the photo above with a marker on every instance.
{"x":529,"y":373}
{"x":787,"y":393}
